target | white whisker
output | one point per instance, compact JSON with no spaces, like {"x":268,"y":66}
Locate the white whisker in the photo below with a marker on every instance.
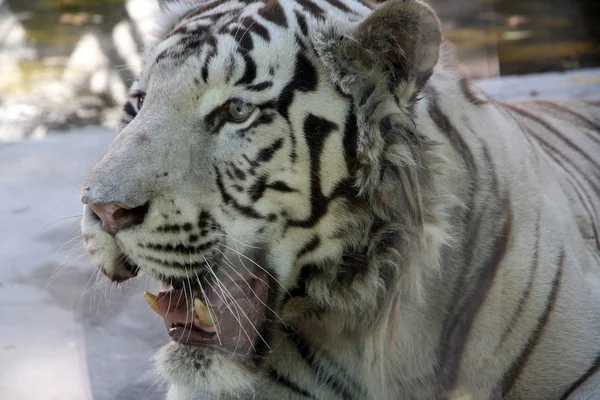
{"x":241,"y":309}
{"x":235,"y":315}
{"x":250,"y":287}
{"x":213,"y":315}
{"x":237,"y":343}
{"x":259,"y":266}
{"x":228,"y":235}
{"x":55,"y":222}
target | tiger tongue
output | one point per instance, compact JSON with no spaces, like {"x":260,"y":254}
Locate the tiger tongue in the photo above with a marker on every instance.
{"x":230,"y":321}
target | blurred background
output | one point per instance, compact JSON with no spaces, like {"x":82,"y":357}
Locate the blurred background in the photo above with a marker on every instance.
{"x":65,"y":66}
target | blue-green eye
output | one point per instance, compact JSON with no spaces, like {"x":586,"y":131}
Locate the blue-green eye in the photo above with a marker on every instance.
{"x":239,"y":111}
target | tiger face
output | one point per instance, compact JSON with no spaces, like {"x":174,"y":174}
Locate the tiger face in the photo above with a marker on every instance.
{"x":233,"y":181}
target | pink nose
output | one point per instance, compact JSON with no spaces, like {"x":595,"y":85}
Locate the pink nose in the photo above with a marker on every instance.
{"x":115,"y":216}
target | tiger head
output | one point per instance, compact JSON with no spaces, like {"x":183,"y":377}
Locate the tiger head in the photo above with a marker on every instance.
{"x":268,"y":171}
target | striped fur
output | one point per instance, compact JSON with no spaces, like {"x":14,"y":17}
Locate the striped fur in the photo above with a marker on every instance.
{"x":425,"y":241}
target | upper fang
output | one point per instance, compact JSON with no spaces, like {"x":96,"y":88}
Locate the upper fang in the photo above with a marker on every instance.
{"x":152,"y":301}
{"x":202,"y":312}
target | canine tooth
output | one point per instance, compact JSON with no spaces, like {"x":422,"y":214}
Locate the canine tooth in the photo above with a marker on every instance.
{"x":152,"y":301}
{"x":202,"y":312}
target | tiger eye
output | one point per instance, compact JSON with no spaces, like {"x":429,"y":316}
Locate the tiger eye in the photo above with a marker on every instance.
{"x":239,"y":111}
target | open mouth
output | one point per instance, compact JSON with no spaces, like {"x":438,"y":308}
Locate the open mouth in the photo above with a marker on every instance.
{"x":224,"y":313}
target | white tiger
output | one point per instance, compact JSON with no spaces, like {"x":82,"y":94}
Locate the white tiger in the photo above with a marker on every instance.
{"x":336,"y":214}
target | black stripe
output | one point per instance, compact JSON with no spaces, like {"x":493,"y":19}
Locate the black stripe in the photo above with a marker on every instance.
{"x":472,"y":224}
{"x":582,"y":119}
{"x":293,"y":152}
{"x":321,"y":367}
{"x":284,"y":381}
{"x":265,"y":117}
{"x":211,"y":42}
{"x":163,"y":54}
{"x":527,"y":290}
{"x":251,"y":25}
{"x":179,"y":248}
{"x":591,"y":371}
{"x":265,"y":154}
{"x":581,"y":194}
{"x":239,"y":174}
{"x":340,"y":5}
{"x":205,"y":221}
{"x":208,"y":20}
{"x":174,"y":228}
{"x":305,"y":79}
{"x":183,"y":29}
{"x":511,"y":376}
{"x":312,"y":8}
{"x":556,"y":132}
{"x":311,"y":245}
{"x":175,"y":263}
{"x":229,"y":200}
{"x":205,"y":7}
{"x":272,"y":11}
{"x":351,"y":142}
{"x":553,"y":152}
{"x":316,"y":130}
{"x":257,"y":87}
{"x":280,"y":186}
{"x":367,"y":4}
{"x":257,"y":189}
{"x":307,"y":272}
{"x":346,"y":190}
{"x":249,"y":71}
{"x":215,"y":120}
{"x":251,"y":163}
{"x":243,"y":39}
{"x":445,"y":126}
{"x":471,"y":96}
{"x":301,"y":22}
{"x":457,"y":333}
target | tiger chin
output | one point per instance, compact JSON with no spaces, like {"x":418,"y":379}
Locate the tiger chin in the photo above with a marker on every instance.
{"x":335,"y":213}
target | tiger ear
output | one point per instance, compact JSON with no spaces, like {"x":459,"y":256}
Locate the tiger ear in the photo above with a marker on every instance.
{"x":401,"y":38}
{"x":399,"y":41}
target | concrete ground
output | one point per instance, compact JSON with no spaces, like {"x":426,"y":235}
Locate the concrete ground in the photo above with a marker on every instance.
{"x":65,"y":335}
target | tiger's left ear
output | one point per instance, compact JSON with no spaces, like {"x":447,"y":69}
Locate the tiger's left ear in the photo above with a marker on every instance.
{"x":399,"y":40}
{"x":403,"y":38}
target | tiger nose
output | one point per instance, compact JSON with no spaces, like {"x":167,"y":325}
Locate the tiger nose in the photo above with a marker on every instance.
{"x":115,"y":216}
